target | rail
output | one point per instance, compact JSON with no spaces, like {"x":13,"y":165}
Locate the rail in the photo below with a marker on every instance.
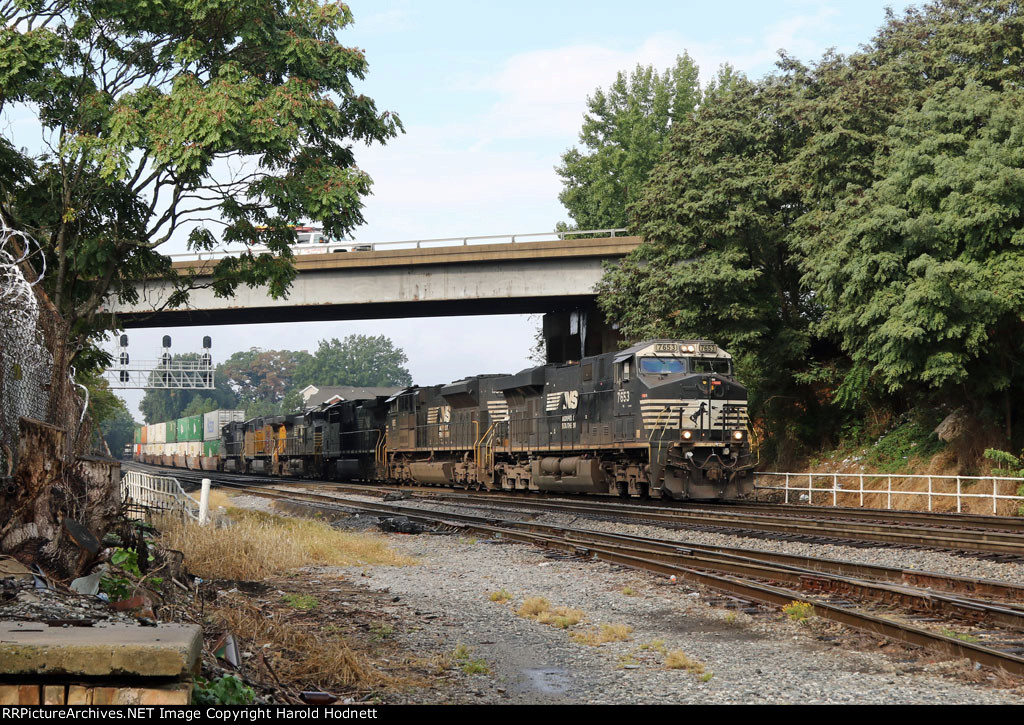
{"x":353,"y":246}
{"x":146,"y":493}
{"x":817,"y":487}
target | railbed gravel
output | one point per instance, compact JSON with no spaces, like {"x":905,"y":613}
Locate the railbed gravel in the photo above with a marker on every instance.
{"x":901,"y":557}
{"x":763,"y":658}
{"x":752,"y":659}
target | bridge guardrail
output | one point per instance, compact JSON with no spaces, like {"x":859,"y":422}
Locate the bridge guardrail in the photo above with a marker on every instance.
{"x":353,"y":246}
{"x":813,"y":487}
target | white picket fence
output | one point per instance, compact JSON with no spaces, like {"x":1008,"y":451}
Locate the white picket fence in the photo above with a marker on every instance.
{"x":146,"y":493}
{"x":819,"y":488}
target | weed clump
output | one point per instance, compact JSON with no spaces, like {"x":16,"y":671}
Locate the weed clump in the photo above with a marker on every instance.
{"x":461,"y":658}
{"x":679,"y":660}
{"x":533,"y":606}
{"x":540,"y":609}
{"x":798,"y":611}
{"x":604,"y":634}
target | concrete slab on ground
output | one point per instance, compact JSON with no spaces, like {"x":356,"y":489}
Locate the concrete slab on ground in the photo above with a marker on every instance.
{"x":115,"y":649}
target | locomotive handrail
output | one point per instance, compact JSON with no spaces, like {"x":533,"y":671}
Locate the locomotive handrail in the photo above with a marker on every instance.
{"x":479,"y":445}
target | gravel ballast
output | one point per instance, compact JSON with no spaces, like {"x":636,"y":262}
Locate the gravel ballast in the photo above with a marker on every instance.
{"x":737,"y":658}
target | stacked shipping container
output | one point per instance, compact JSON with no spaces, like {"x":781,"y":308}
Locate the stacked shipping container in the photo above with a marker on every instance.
{"x":189,"y":442}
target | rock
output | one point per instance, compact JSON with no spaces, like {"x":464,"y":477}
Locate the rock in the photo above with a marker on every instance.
{"x":953,"y":425}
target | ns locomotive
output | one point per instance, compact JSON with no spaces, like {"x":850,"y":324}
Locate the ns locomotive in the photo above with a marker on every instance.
{"x":661,"y":419}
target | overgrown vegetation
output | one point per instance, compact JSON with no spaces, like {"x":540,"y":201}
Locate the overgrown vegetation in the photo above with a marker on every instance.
{"x":849,"y":229}
{"x":252,"y":545}
{"x":138,"y":107}
{"x":298,"y":653}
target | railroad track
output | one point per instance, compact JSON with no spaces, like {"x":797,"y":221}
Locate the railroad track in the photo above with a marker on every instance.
{"x":999,"y":538}
{"x":828,"y":586}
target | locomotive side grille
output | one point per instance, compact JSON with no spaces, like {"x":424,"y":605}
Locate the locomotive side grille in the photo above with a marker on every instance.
{"x":553,"y":401}
{"x":498,"y":410}
{"x":431,"y":416}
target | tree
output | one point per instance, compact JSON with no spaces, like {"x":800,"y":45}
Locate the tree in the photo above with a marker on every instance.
{"x":118,"y":432}
{"x":923,"y":275}
{"x":623,"y":134}
{"x":263,"y":376}
{"x":168,"y":119}
{"x":358,"y":360}
{"x":716,"y":260}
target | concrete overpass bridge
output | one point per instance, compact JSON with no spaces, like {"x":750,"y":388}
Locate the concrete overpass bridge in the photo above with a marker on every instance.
{"x":551,"y":273}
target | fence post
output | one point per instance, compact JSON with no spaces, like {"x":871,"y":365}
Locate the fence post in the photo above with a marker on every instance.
{"x":204,"y":502}
{"x":835,"y":486}
{"x":929,"y":494}
{"x":958,"y":494}
{"x":862,"y":490}
{"x":994,"y":493}
{"x":787,"y":488}
{"x":888,"y":495}
{"x":810,"y":489}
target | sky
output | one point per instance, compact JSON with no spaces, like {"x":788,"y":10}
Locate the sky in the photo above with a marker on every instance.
{"x":491,"y":94}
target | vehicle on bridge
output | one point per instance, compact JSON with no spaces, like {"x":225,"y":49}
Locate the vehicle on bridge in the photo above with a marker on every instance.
{"x":661,"y":419}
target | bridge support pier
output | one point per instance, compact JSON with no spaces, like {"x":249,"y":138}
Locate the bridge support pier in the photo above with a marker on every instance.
{"x":576,"y":333}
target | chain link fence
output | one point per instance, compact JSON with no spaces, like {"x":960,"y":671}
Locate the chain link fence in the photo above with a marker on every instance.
{"x":36,"y":379}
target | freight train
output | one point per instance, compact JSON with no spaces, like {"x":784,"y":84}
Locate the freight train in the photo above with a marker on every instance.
{"x":661,"y":419}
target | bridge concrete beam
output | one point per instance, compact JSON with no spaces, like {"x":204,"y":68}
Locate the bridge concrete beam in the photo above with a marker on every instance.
{"x":463,"y":280}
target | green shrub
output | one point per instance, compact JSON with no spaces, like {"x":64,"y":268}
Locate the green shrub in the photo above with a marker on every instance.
{"x":227,"y":690}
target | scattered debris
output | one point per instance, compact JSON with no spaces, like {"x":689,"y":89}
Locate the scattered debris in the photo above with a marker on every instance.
{"x":400,"y":525}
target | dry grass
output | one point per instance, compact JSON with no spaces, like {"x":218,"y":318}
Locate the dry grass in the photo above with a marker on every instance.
{"x":218,"y":499}
{"x":533,"y":607}
{"x":501,"y":596}
{"x":603,"y":634}
{"x":255,"y":545}
{"x":539,"y":609}
{"x":561,"y":617}
{"x":679,"y":660}
{"x":657,"y":645}
{"x":298,"y":654}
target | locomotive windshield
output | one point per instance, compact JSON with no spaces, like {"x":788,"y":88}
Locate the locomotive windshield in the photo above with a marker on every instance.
{"x":662,"y":365}
{"x":710,"y":365}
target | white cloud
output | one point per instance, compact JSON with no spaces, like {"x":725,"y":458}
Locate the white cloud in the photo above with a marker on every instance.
{"x":543,"y":92}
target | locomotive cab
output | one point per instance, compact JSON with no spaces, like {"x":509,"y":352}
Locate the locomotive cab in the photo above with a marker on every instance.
{"x":685,"y":402}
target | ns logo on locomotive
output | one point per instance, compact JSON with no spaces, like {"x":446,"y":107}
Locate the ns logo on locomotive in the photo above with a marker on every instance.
{"x":664,"y":419}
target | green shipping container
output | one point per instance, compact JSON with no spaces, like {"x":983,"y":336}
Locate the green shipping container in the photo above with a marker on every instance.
{"x":138,"y":435}
{"x":172,"y":432}
{"x":190,"y":429}
{"x":211,"y":448}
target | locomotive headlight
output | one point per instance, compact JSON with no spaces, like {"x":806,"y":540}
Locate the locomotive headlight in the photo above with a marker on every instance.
{"x":737,"y":435}
{"x":687,"y":435}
